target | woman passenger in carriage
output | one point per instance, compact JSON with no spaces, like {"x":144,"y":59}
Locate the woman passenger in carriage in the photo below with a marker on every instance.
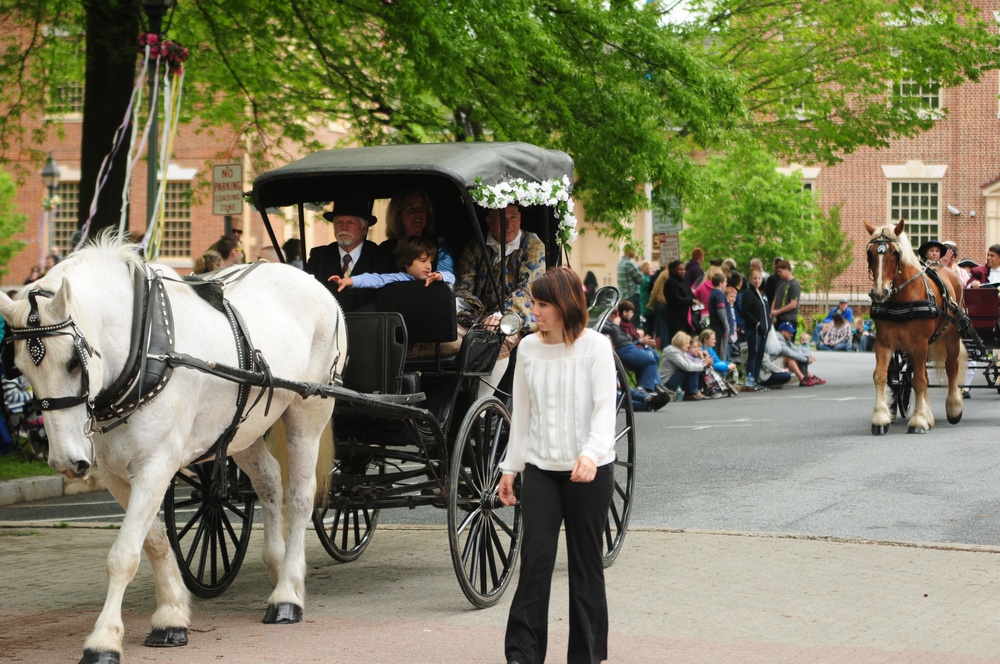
{"x":410,"y":214}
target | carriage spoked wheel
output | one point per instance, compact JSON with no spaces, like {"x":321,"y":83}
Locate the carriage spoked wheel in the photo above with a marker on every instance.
{"x":345,"y":528}
{"x":485,"y":535}
{"x":620,"y":510}
{"x":899,"y":378}
{"x":209,"y":532}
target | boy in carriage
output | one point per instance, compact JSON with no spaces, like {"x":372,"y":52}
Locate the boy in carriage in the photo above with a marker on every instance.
{"x":414,"y":257}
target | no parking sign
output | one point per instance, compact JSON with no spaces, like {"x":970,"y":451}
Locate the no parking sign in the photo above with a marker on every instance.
{"x":227,"y":189}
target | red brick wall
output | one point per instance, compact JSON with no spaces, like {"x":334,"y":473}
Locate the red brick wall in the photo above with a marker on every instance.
{"x":967,"y":141}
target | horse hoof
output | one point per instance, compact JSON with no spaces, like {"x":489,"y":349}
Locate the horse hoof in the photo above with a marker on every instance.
{"x":955,"y":420}
{"x":916,"y":430}
{"x":880,"y":429}
{"x":284,"y":613}
{"x":167,"y":637}
{"x":94,"y":657}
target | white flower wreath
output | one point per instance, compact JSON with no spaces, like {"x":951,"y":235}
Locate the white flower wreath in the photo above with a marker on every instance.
{"x":553,"y":193}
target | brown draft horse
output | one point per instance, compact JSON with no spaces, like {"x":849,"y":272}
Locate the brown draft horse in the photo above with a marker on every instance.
{"x":913,"y":315}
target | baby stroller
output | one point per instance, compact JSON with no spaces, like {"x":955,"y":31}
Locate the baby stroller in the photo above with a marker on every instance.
{"x":23,"y":422}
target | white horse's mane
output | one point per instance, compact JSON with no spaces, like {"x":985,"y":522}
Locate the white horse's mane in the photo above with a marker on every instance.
{"x":906,"y":254}
{"x":89,"y":270}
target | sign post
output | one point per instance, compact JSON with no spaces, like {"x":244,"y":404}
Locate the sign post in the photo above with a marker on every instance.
{"x":227,"y":189}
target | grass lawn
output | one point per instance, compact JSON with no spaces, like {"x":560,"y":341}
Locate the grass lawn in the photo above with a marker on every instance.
{"x":13,"y":466}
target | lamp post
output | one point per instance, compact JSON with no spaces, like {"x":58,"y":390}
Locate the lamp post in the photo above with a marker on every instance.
{"x":155,"y":11}
{"x":50,"y":178}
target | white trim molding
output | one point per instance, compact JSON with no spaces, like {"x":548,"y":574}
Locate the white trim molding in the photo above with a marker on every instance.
{"x":177,"y":173}
{"x":808,"y":172}
{"x":914,"y":170}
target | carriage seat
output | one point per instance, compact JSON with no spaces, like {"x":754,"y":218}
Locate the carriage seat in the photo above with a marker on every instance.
{"x":431,"y":321}
{"x":983,"y":306}
{"x":376,"y":343}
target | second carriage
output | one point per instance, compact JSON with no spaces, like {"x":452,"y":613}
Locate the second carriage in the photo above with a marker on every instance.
{"x":410,"y":431}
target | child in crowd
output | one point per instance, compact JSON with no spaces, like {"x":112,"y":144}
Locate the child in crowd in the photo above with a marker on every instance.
{"x":708,"y":341}
{"x":734,"y":320}
{"x":414,"y":257}
{"x":679,"y":371}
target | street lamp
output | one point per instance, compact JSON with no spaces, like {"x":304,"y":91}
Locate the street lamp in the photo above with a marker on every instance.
{"x":155,"y":11}
{"x":50,"y":178}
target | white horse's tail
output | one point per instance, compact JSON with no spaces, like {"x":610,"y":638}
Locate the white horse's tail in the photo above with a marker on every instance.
{"x":277,"y":443}
{"x":938,"y":354}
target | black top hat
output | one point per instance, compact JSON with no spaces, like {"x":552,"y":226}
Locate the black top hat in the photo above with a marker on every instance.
{"x":928,"y":245}
{"x":352,"y":205}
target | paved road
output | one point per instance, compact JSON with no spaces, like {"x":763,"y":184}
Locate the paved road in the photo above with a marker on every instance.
{"x":796,"y":460}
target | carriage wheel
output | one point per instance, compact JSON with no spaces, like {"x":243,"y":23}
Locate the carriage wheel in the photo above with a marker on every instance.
{"x":900,"y":381}
{"x":211,"y":541}
{"x":621,"y":500}
{"x":485,"y":536}
{"x":345,"y":529}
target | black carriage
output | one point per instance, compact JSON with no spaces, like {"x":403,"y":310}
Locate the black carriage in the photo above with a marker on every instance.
{"x":409,"y":431}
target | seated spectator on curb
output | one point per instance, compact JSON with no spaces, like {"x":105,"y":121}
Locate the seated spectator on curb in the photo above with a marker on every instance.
{"x":634,"y":359}
{"x":772,"y":371}
{"x":838,"y":336}
{"x":627,"y":312}
{"x":678,"y":371}
{"x":643,"y":402}
{"x":863,"y":337}
{"x":708,"y":341}
{"x":797,"y":358}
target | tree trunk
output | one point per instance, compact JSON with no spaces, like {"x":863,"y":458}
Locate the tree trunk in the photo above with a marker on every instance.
{"x":112,"y":35}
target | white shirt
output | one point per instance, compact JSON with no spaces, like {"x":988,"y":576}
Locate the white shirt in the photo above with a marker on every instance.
{"x":355,"y":254}
{"x":564,"y":404}
{"x":511,"y":247}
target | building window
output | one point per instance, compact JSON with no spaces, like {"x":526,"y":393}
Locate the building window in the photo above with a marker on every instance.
{"x":917,"y":203}
{"x":927,"y":96}
{"x":63,"y":224}
{"x":66,"y":99}
{"x":176,"y":239}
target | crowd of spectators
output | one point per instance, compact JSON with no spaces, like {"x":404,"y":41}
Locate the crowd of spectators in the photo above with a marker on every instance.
{"x":715,"y":327}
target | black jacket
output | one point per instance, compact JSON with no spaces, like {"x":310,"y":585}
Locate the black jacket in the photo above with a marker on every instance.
{"x":755,"y":312}
{"x":325,"y":262}
{"x":679,"y":300}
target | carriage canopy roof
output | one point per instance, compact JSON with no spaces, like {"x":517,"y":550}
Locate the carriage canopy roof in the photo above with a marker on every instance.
{"x":379,"y":170}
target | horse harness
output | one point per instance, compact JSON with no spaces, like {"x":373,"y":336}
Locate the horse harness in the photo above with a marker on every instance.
{"x":928,"y":308}
{"x":151,"y":357}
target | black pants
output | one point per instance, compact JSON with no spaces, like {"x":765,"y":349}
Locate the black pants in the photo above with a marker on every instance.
{"x":548,"y":500}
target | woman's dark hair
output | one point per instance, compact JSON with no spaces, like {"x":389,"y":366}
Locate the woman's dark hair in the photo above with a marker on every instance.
{"x":561,"y":288}
{"x":672,"y":267}
{"x":394,"y":213}
{"x":409,"y":249}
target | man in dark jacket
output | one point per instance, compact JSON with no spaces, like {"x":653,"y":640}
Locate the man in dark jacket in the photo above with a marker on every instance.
{"x":351,"y":254}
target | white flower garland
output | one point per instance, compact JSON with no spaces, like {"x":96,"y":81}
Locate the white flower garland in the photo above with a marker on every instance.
{"x":553,"y":193}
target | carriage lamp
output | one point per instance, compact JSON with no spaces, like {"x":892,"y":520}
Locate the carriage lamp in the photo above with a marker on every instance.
{"x":510,"y":323}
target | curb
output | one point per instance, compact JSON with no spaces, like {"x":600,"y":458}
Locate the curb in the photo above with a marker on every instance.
{"x":28,"y":489}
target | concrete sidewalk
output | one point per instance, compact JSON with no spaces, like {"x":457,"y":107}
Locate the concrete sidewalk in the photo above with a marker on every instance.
{"x":674,"y":597}
{"x":28,"y":489}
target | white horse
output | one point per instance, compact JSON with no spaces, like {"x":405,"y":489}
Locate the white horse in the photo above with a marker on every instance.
{"x":76,"y":346}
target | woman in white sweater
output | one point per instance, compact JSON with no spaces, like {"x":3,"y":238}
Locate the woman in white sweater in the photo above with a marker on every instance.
{"x":562,"y":441}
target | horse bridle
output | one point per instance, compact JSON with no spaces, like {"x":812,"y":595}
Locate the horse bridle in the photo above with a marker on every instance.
{"x":33,"y":334}
{"x":883,"y":244}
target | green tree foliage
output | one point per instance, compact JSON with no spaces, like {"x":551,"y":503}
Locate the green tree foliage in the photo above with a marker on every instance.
{"x":818,"y":75}
{"x":11,"y":223}
{"x":747,"y":209}
{"x":629,"y":95}
{"x":834,"y":252}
